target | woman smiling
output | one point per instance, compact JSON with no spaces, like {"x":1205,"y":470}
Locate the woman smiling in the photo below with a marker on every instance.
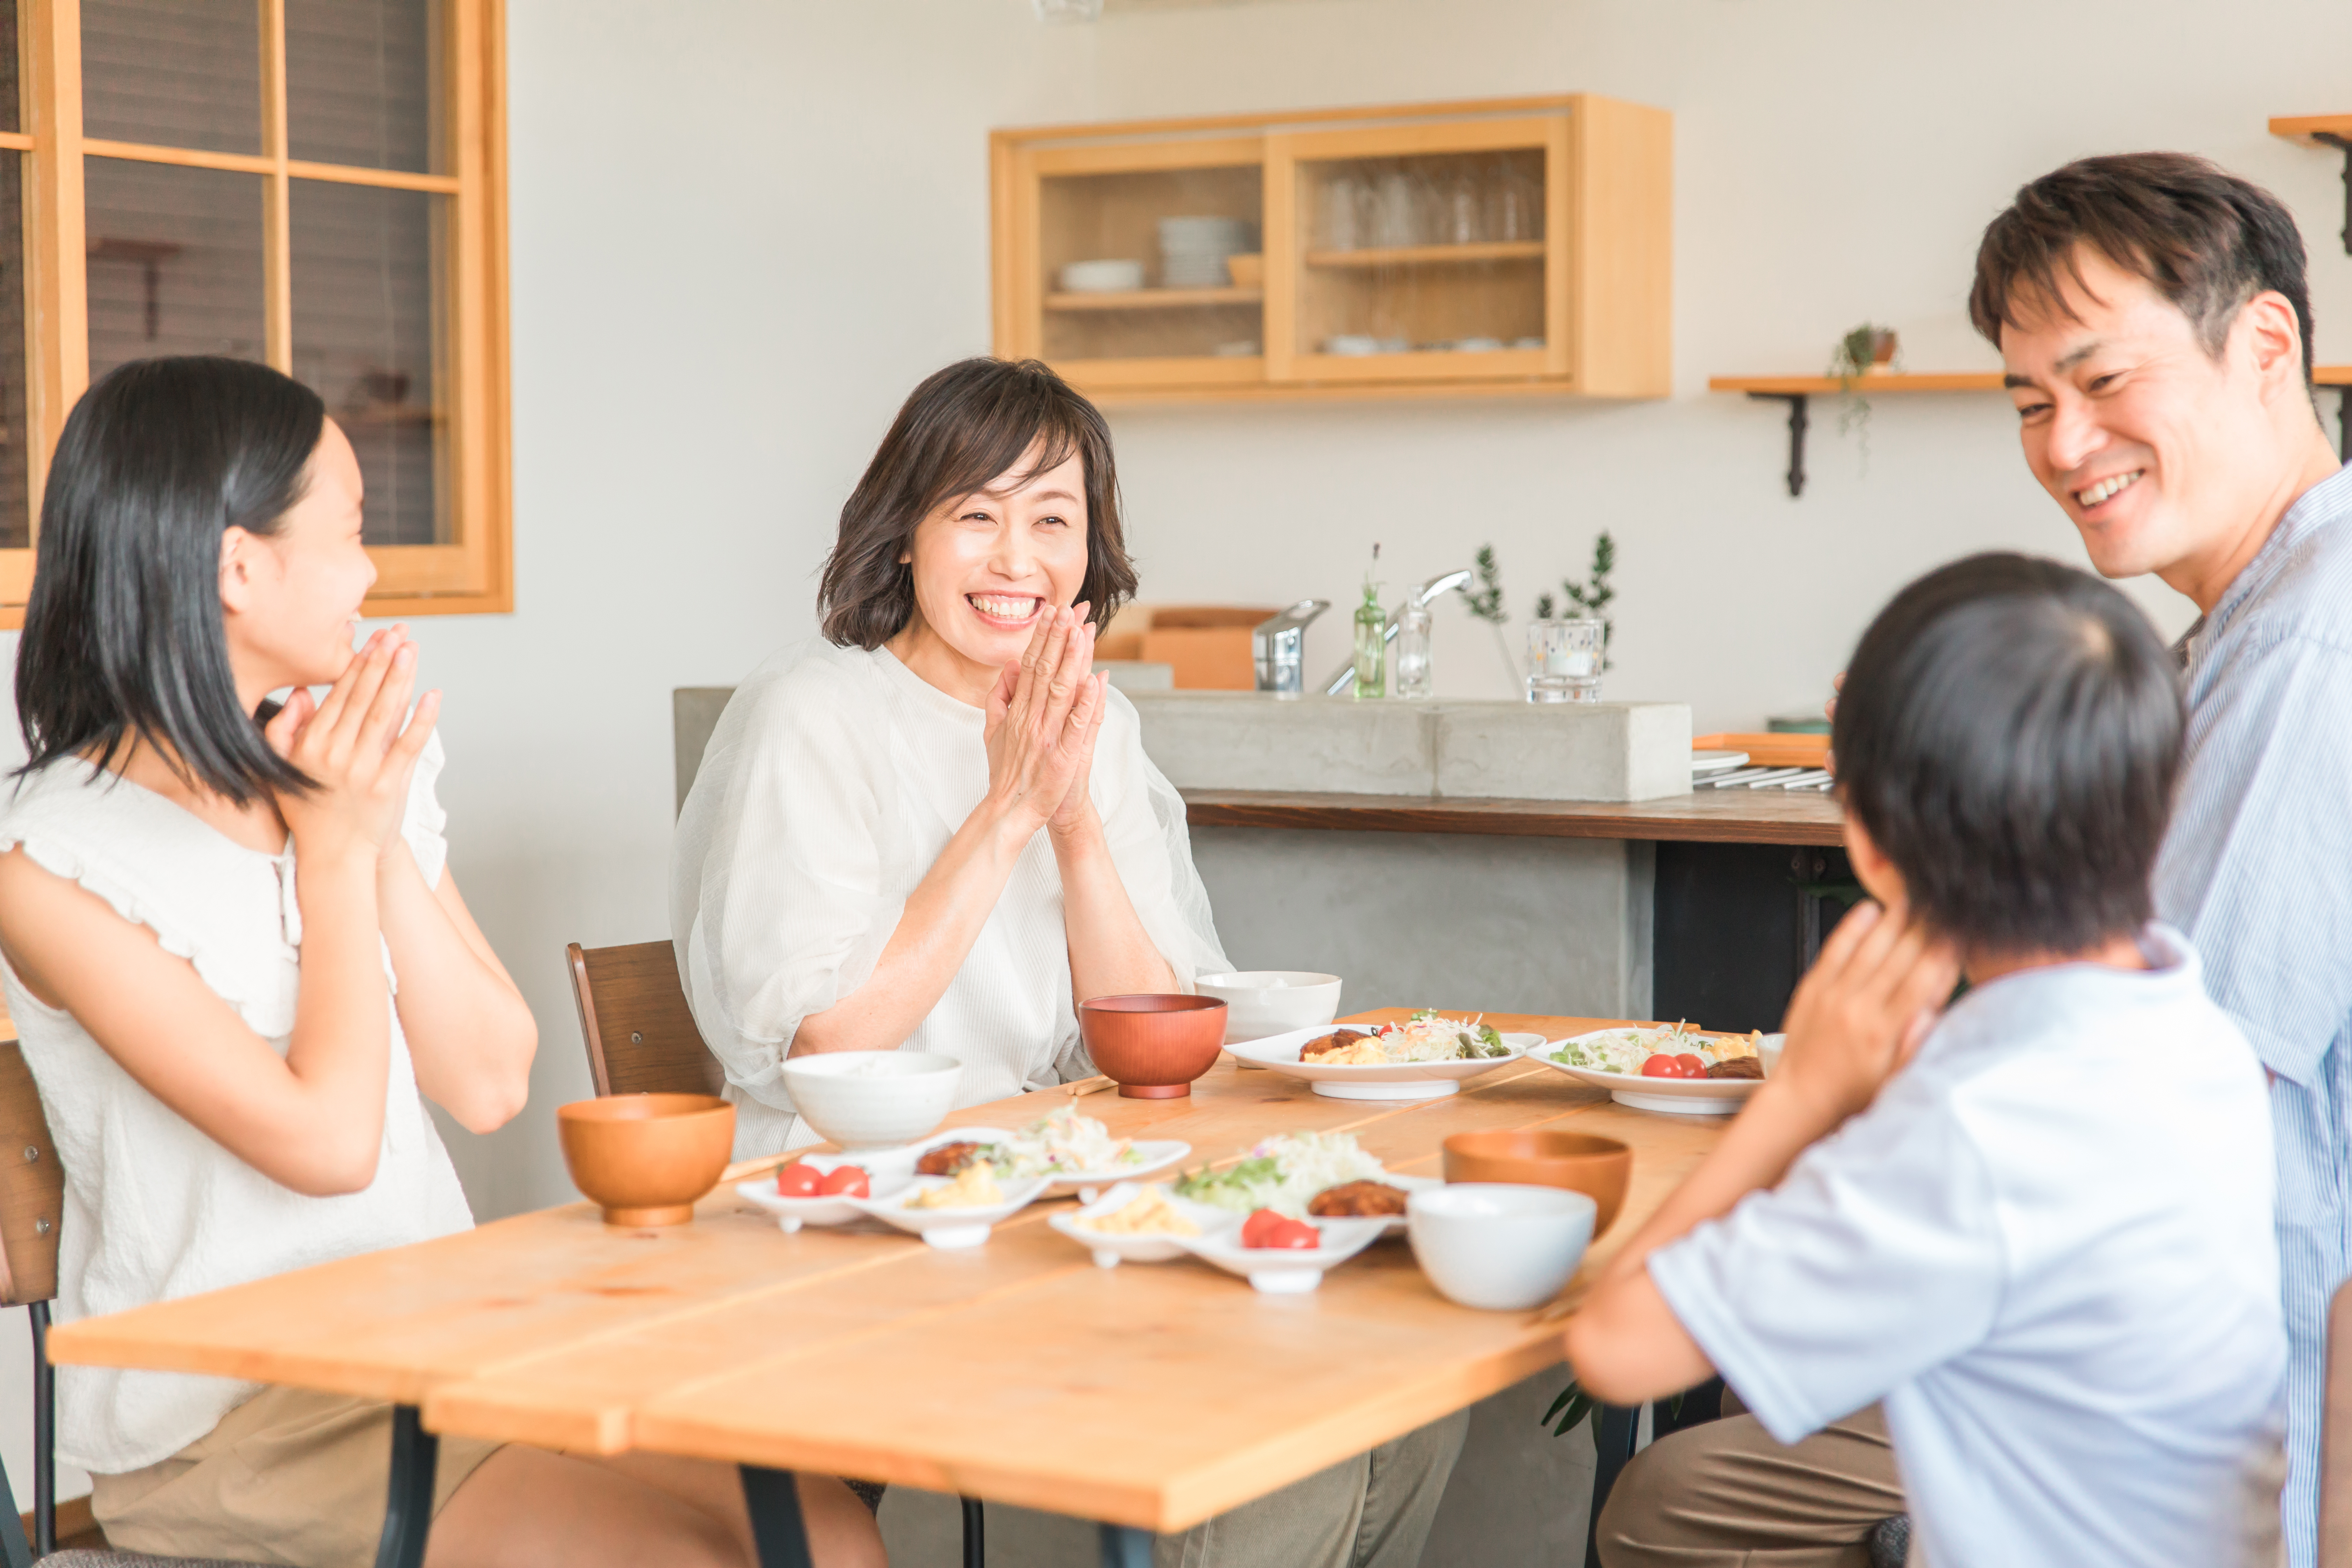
{"x":935,"y":827}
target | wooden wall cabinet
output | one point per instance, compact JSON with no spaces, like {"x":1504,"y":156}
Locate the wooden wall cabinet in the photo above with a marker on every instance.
{"x":1483,"y":248}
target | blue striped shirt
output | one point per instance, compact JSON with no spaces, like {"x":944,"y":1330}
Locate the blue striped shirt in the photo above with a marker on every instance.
{"x":2258,"y":871}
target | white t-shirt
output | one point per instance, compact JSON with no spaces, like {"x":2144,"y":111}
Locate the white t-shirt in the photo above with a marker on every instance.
{"x":834,"y":780}
{"x":2047,"y":1248}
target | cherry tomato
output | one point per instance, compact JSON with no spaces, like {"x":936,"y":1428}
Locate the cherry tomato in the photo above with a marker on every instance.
{"x":1294,"y":1234}
{"x":1255,"y":1229}
{"x":1662,"y":1066}
{"x":848,"y":1181}
{"x":799,"y":1180}
{"x":1691,"y":1065}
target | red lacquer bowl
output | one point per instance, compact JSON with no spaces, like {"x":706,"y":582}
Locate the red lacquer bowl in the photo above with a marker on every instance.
{"x":1153,"y":1046}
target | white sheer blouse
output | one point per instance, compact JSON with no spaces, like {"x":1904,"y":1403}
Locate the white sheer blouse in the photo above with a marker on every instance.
{"x":832,"y":781}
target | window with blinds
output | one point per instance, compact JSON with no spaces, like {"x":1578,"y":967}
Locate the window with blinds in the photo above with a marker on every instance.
{"x":316,"y":184}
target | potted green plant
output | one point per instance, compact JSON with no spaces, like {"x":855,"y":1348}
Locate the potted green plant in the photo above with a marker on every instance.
{"x":1868,"y":350}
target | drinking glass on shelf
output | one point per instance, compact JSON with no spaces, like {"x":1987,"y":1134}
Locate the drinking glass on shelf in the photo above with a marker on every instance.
{"x":1342,"y":203}
{"x":1460,"y":213}
{"x":1564,"y":659}
{"x":1506,"y":204}
{"x":1411,"y":676}
{"x":1399,"y":221}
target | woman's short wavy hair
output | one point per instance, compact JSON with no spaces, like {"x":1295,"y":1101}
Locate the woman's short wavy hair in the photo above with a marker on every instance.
{"x":958,"y":432}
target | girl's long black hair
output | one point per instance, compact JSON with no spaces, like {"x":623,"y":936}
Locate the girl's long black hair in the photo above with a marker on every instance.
{"x":123,"y":635}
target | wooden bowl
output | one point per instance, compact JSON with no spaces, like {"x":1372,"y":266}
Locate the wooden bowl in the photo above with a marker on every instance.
{"x":1581,"y":1162}
{"x":644,"y":1158}
{"x":1153,"y":1046}
{"x":1247,"y":269}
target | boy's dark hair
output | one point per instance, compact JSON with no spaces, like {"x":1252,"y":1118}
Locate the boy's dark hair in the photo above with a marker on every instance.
{"x":2205,"y":239}
{"x":123,"y":635}
{"x":963,"y":426}
{"x":2009,"y":733}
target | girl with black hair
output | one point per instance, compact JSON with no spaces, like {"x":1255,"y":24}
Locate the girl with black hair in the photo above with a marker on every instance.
{"x":238,"y":965}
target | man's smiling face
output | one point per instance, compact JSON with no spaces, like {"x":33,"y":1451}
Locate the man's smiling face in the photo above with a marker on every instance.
{"x":2155,"y":447}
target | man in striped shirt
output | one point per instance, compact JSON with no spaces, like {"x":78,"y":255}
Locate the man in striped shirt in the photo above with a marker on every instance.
{"x":2155,"y":326}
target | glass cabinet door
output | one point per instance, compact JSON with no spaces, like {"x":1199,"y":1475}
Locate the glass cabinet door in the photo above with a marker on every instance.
{"x":1421,"y":254}
{"x":1150,"y":275}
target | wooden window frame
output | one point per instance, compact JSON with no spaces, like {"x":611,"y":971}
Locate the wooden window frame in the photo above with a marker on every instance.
{"x":476,"y":574}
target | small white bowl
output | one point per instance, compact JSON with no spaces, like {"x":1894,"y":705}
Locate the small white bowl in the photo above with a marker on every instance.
{"x":1110,"y":1250}
{"x":872,"y":1100}
{"x":1107,"y":276}
{"x":794,"y":1213}
{"x":1497,"y":1245}
{"x":1262,"y":1002}
{"x":954,"y":1228}
{"x":1280,"y":1272}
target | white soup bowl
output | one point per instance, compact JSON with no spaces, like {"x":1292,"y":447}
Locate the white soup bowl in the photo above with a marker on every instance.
{"x":1263,"y":1002}
{"x":1497,"y":1245}
{"x":872,"y":1100}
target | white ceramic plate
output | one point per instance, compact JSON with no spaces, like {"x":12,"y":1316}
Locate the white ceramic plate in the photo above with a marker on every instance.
{"x":794,"y":1213}
{"x":1394,"y":1080}
{"x":1391,"y":1225}
{"x":1111,"y":1251}
{"x":1705,"y":762}
{"x":1674,"y":1096}
{"x":949,"y":1228}
{"x":1279,"y":1271}
{"x":1153,"y":1155}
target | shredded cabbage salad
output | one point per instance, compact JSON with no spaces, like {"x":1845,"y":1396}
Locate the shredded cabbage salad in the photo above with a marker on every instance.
{"x":1061,"y":1143}
{"x":1282,"y":1172}
{"x":1427,"y":1037}
{"x":1624,"y":1050}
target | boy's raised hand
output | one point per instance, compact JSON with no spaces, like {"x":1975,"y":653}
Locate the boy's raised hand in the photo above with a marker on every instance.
{"x":1862,"y":1011}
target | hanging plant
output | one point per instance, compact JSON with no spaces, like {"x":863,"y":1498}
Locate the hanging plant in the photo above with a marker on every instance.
{"x":1868,"y":348}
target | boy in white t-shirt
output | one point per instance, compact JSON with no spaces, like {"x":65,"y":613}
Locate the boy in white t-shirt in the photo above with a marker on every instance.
{"x":2037,"y":1226}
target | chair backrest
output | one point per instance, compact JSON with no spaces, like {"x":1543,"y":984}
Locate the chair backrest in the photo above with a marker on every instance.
{"x":640,"y":1032}
{"x":32,"y":1187}
{"x":2336,"y":1437}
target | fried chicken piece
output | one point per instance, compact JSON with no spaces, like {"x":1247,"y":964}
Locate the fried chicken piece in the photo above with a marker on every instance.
{"x":1738,"y":1066}
{"x":1330,"y":1045}
{"x":1358,"y":1200}
{"x":947,"y":1159}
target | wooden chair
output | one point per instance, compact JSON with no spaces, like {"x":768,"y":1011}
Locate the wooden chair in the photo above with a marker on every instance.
{"x":642,"y":1039}
{"x":32,"y":1207}
{"x":2336,"y":1437}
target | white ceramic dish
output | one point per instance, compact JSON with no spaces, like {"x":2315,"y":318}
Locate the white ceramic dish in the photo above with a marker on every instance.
{"x":872,"y":1100}
{"x":1110,"y":1250}
{"x":794,"y":1213}
{"x":1157,"y":1154}
{"x":1498,"y":1246}
{"x":1262,"y":1002}
{"x":1706,"y":762}
{"x":1397,"y":1081}
{"x":1106,"y":277}
{"x":949,"y":1228}
{"x":1280,"y":1272}
{"x":1674,"y":1096}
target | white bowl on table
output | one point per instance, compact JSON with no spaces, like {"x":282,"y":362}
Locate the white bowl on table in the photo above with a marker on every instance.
{"x":1110,"y":1250}
{"x":882,"y":1179}
{"x":1498,"y":1246}
{"x":1278,"y":1271}
{"x":1262,"y":1002}
{"x":949,"y":1228}
{"x":872,"y":1100}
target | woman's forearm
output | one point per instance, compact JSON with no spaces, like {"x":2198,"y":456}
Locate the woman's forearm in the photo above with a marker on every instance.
{"x":942,"y":919}
{"x":471,"y":1033}
{"x":1110,"y":953}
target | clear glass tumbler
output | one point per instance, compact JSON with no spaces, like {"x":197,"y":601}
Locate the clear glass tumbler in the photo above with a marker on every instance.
{"x":1411,"y":677}
{"x":1564,"y":660}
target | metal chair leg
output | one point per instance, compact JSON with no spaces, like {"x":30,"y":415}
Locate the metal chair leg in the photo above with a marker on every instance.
{"x":1615,"y":1429}
{"x":408,"y":1507}
{"x":773,"y":1498}
{"x":975,"y":1535}
{"x":1124,"y":1546}
{"x":45,"y":1434}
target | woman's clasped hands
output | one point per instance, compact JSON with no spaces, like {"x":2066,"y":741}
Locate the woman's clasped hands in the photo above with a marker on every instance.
{"x":360,"y":745}
{"x":1043,"y":718}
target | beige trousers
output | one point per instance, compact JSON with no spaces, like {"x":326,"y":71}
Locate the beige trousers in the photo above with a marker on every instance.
{"x":1725,"y":1495}
{"x":1371,"y":1511}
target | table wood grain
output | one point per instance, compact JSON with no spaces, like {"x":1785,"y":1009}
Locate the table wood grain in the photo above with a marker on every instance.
{"x":1712,"y":816}
{"x":1151,"y":1396}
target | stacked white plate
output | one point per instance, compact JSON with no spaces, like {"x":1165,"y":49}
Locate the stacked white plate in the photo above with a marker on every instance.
{"x":1193,"y":251}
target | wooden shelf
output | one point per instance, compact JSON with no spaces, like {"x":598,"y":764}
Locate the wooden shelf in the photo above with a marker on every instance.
{"x":2308,"y":128}
{"x":1823,"y":385}
{"x":2331,"y":375}
{"x":1432,"y":255}
{"x":1156,"y":300}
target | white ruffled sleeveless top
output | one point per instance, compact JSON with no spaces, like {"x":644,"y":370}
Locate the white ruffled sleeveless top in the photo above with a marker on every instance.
{"x":153,"y":1208}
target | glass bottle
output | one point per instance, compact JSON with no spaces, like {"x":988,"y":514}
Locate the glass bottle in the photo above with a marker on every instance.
{"x":1372,"y":645}
{"x":1413,"y":674}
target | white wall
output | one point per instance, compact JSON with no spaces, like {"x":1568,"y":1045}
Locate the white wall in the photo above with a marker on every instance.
{"x":743,"y":229}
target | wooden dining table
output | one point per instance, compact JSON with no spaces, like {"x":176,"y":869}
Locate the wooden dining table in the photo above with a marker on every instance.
{"x":1147,"y":1397}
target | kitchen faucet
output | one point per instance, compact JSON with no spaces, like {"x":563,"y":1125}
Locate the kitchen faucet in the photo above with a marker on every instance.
{"x":1343,"y":679}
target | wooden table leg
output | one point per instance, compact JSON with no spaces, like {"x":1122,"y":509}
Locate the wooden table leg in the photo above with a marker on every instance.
{"x":773,"y":1498}
{"x":1124,"y":1546}
{"x":1614,"y":1429}
{"x":408,"y":1509}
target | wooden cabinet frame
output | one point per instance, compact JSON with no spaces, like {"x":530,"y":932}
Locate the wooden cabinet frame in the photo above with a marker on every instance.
{"x":475,"y":573}
{"x":1606,"y":256}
